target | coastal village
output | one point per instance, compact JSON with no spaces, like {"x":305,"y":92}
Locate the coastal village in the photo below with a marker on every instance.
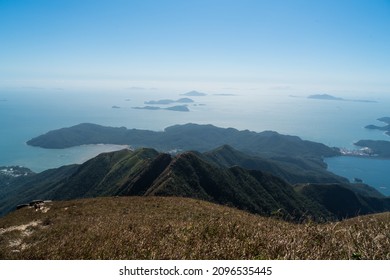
{"x":363,"y":152}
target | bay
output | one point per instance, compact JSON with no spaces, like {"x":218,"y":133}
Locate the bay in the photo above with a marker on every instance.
{"x":373,"y":172}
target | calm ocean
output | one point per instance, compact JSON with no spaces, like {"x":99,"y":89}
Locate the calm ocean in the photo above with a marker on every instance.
{"x":29,"y":113}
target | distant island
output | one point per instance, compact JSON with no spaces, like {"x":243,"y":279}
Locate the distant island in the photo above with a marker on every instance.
{"x":385,"y":128}
{"x":147,"y":108}
{"x":178,"y":108}
{"x":115,"y":107}
{"x":168,"y":101}
{"x":331,"y":97}
{"x":194,"y":93}
{"x":324,"y":97}
{"x":186,"y":137}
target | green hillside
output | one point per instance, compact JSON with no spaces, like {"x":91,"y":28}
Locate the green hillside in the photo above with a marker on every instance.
{"x":145,"y":172}
{"x":291,"y":169}
{"x":343,"y":200}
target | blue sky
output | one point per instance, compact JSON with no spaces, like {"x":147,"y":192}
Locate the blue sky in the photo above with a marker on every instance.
{"x":328,"y":44}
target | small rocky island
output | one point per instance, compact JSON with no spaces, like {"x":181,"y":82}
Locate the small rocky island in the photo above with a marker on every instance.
{"x":194,"y":93}
{"x":324,"y":97}
{"x":331,"y":97}
{"x":183,"y":107}
{"x":178,"y":108}
{"x":169,"y":101}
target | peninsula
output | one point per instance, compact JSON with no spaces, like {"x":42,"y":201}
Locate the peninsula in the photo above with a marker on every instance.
{"x":185,"y":137}
{"x":385,"y":128}
{"x":378,"y":148}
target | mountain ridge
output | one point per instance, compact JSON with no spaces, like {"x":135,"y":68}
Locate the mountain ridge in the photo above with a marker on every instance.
{"x":146,"y":172}
{"x":292,"y":170}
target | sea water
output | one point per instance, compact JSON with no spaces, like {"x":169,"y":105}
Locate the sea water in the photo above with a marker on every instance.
{"x":373,"y":172}
{"x":27,"y":113}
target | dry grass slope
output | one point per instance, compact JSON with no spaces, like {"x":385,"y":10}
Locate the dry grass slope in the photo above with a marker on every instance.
{"x":178,"y":228}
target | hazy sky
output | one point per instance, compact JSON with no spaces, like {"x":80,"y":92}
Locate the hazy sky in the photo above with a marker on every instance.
{"x":322,"y":44}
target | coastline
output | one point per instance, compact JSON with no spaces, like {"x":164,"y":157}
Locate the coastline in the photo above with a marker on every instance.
{"x":39,"y":159}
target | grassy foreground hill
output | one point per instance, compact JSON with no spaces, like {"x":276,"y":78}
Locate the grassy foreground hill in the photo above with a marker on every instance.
{"x":181,"y":228}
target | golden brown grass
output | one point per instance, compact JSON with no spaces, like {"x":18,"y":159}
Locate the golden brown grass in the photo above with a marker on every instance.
{"x":178,"y":228}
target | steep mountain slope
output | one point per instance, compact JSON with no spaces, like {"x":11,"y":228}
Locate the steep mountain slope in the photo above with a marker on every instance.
{"x":35,"y":186}
{"x":343,"y":201}
{"x":293,"y":170}
{"x":180,"y":228}
{"x":254,"y":191}
{"x":108,"y":174}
